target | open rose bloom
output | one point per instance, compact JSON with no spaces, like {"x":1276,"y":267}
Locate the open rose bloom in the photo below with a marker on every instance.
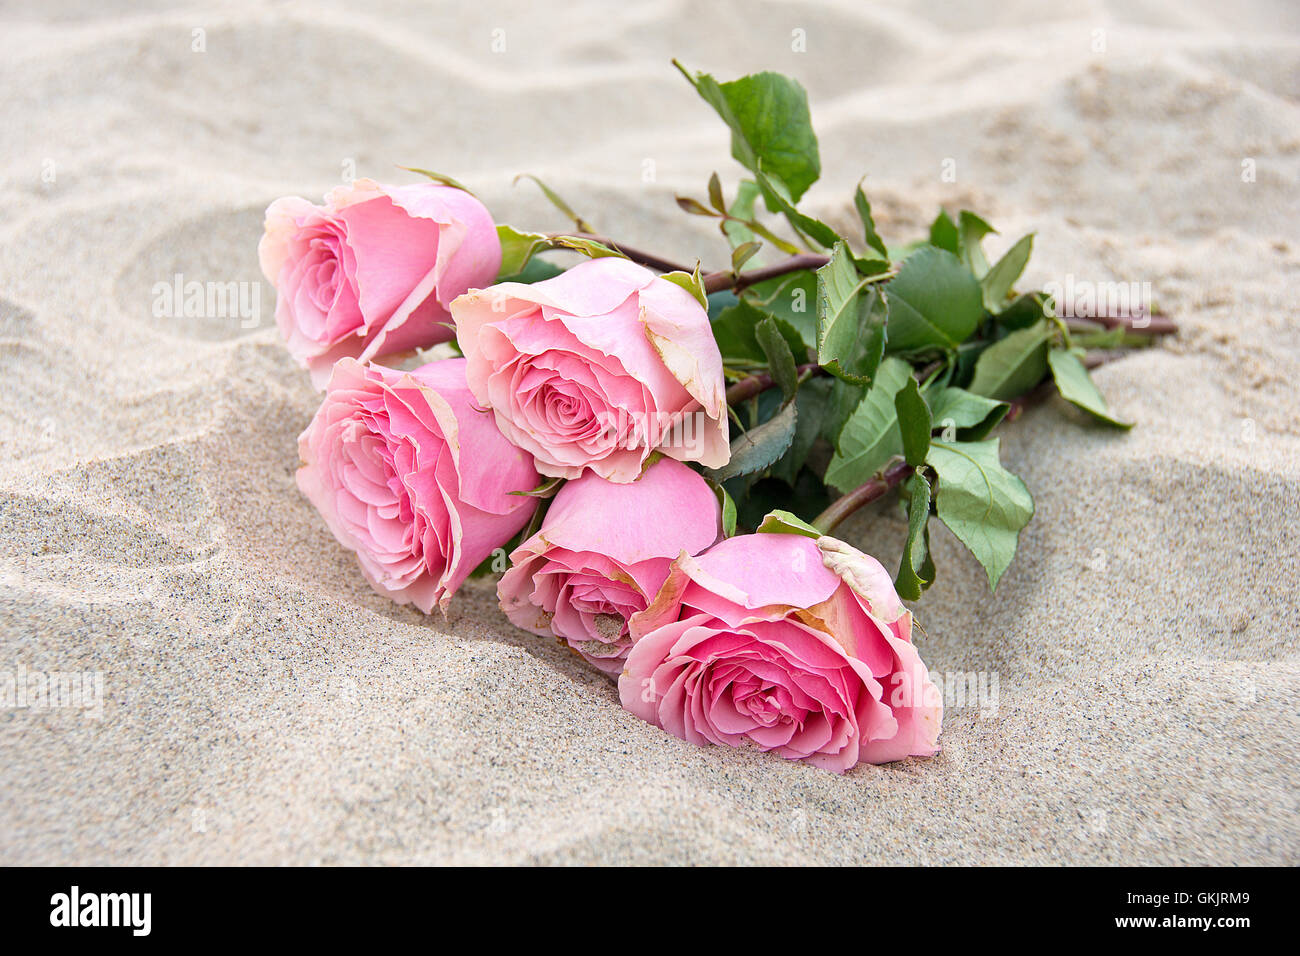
{"x":413,"y":477}
{"x":596,"y":368}
{"x":603,"y":552}
{"x":787,"y":644}
{"x":372,"y":271}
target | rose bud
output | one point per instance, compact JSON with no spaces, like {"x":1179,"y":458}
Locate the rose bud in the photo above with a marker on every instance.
{"x":787,"y":644}
{"x":597,"y":368}
{"x":372,"y":271}
{"x":602,"y":553}
{"x":413,"y":477}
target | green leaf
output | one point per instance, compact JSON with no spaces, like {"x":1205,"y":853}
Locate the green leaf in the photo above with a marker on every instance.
{"x":840,"y":405}
{"x":870,"y":437}
{"x":916,"y":570}
{"x":770,"y":125}
{"x":759,"y":447}
{"x":537,"y":270}
{"x":792,"y":298}
{"x":1077,"y":387}
{"x":868,"y":224}
{"x":757,"y":496}
{"x":780,"y":359}
{"x":785,"y":522}
{"x":694,"y":207}
{"x":518,"y":248}
{"x":736,"y":332}
{"x":733,"y":330}
{"x":957,"y":408}
{"x":913,"y":422}
{"x":743,"y":253}
{"x":999,"y":280}
{"x":738,"y":233}
{"x":970,"y":230}
{"x":556,"y":201}
{"x":943,"y":233}
{"x":871,"y":267}
{"x":1012,"y":366}
{"x":534,"y":522}
{"x":547,"y":489}
{"x":1024,"y":311}
{"x":756,"y":228}
{"x":780,"y":200}
{"x":983,"y":504}
{"x":728,"y":506}
{"x":436,"y":177}
{"x":691,"y":282}
{"x":719,"y":302}
{"x":588,"y":247}
{"x":715,"y":193}
{"x":934,"y":302}
{"x":850,"y":325}
{"x":811,"y":402}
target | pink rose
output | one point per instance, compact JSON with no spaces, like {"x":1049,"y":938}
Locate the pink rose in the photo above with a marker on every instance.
{"x":783,"y":643}
{"x":602,"y":554}
{"x":596,"y":368}
{"x":372,"y":271}
{"x":413,"y":477}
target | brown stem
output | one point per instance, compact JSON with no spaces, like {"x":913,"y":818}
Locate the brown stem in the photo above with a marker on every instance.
{"x":713,"y":281}
{"x":747,"y":388}
{"x":717,"y":281}
{"x":1141,"y":323}
{"x":843,"y":506}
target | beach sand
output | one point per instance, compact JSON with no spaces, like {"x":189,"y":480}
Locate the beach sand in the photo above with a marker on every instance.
{"x":261,"y":705}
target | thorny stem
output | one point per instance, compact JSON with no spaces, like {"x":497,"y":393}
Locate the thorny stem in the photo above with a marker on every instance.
{"x":877,"y":487}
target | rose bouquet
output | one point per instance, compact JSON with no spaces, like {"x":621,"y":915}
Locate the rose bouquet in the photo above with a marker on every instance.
{"x":661,"y":454}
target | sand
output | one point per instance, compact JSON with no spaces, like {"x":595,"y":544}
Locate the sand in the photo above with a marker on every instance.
{"x":261,"y":705}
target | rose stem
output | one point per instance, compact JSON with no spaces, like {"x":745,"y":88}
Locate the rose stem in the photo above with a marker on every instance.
{"x":747,"y":388}
{"x":898,"y":472}
{"x":1153,"y":324}
{"x":845,"y":505}
{"x":713,"y":281}
{"x":725,"y":279}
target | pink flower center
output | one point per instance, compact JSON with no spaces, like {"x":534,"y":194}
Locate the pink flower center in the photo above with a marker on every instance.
{"x":766,"y":704}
